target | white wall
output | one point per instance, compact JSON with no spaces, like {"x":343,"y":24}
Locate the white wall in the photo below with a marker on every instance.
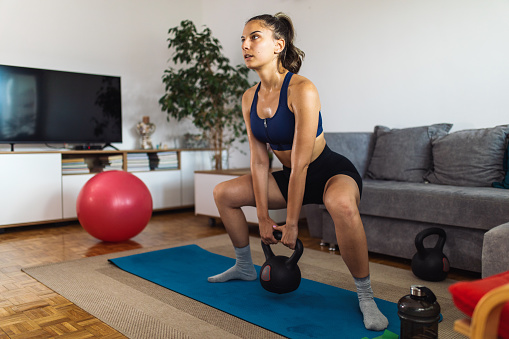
{"x":125,"y":38}
{"x":399,"y":63}
{"x":394,"y":62}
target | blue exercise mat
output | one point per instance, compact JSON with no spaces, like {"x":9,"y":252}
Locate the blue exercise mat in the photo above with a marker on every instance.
{"x":314,"y":310}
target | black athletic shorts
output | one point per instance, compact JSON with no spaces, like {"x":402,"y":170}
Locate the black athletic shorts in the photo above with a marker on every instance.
{"x":327,"y":165}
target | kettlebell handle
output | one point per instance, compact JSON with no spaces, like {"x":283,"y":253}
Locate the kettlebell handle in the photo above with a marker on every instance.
{"x":299,"y":249}
{"x":419,"y":239}
{"x":292,"y":261}
{"x":267,"y":251}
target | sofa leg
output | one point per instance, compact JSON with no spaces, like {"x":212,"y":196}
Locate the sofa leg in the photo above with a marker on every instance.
{"x":333,"y":248}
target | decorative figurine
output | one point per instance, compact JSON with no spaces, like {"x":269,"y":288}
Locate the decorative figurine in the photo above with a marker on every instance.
{"x":145,"y":130}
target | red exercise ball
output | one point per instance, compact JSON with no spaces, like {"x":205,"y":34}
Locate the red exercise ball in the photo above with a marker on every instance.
{"x":114,"y":206}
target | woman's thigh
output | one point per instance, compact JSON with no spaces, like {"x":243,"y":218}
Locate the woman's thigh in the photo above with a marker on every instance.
{"x":239,"y":192}
{"x":341,"y":189}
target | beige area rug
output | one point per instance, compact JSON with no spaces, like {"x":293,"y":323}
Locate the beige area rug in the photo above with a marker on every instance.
{"x":140,"y":309}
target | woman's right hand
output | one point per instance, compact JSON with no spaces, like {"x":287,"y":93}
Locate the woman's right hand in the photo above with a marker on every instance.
{"x":266,"y":226}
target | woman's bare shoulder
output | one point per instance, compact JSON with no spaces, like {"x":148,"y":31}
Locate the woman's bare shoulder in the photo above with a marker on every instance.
{"x":302,"y":88}
{"x":249,"y":93}
{"x":301,"y":85}
{"x":247,"y":99}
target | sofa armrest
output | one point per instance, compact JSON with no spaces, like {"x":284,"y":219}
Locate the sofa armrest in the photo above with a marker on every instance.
{"x":494,"y":251}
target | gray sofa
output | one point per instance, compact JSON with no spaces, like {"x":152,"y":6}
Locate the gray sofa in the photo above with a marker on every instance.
{"x":424,"y":177}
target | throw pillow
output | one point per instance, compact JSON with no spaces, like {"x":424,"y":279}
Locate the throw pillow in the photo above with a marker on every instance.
{"x":505,"y":167}
{"x":403,"y":154}
{"x":469,"y":157}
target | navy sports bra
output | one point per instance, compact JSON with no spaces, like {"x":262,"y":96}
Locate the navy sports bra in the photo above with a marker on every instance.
{"x":278,"y":130}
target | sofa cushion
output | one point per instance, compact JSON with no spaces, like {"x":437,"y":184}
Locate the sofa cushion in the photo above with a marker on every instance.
{"x":403,"y":154}
{"x":471,"y":207}
{"x":469,"y":157}
{"x":356,"y":146}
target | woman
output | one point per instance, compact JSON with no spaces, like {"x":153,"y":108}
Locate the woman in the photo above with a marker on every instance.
{"x":284,"y":111}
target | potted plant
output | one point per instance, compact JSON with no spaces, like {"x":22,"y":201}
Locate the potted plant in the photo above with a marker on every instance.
{"x":205,"y":87}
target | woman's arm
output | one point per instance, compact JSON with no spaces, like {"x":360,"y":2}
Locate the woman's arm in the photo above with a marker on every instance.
{"x":305,"y":104}
{"x":259,"y":173}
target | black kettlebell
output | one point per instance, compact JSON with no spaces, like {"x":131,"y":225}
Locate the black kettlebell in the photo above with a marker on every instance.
{"x":281,"y":274}
{"x":430,"y":263}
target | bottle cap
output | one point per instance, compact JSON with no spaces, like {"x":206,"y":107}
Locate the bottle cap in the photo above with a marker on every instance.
{"x":416,"y":290}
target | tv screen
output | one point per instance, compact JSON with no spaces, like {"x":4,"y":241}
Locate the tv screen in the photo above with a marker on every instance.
{"x":47,"y":106}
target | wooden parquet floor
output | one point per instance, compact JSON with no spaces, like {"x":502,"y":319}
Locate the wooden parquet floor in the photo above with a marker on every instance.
{"x":28,"y":309}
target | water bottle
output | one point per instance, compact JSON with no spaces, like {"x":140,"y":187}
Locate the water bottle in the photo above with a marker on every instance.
{"x":419,"y":313}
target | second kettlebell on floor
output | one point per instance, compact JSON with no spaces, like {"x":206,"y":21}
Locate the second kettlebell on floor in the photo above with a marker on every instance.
{"x":430,"y":263}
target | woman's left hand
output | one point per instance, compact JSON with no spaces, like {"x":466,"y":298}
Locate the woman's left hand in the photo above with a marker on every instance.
{"x":290,"y":234}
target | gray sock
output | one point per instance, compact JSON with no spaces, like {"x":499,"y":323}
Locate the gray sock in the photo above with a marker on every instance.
{"x":243,"y":269}
{"x":373,"y":319}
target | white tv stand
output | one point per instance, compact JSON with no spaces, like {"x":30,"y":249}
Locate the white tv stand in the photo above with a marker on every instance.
{"x":35,"y":190}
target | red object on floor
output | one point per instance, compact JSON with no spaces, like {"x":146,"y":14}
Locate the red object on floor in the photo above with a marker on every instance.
{"x":467,"y":294}
{"x":114,"y":206}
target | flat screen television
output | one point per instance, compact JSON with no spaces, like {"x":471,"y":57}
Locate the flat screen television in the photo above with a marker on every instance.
{"x":49,"y":106}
